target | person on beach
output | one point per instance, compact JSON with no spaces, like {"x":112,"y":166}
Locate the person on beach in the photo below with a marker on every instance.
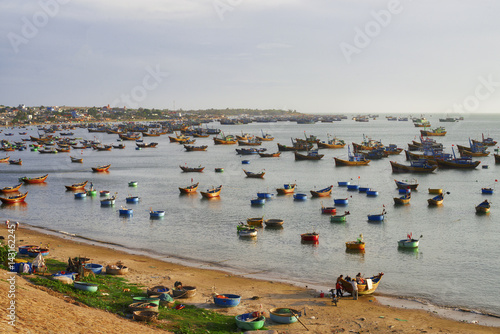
{"x":359,"y":279}
{"x":338,"y":286}
{"x":354,"y":289}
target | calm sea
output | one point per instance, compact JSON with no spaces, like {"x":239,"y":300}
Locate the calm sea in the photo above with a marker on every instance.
{"x":457,"y":249}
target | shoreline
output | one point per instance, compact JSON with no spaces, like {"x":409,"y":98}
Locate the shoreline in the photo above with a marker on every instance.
{"x":459,"y":316}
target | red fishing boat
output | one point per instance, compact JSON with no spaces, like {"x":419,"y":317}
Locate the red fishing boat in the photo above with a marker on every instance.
{"x":33,"y":180}
{"x":14,"y":199}
{"x":312,"y":236}
{"x":11,"y":189}
{"x":100,"y":169}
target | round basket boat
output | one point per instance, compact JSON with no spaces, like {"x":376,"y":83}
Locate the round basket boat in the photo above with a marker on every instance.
{"x":284,"y":315}
{"x":227,"y":300}
{"x":116,"y":269}
{"x":248,"y":321}
{"x":184,"y":292}
{"x":96,"y":268}
{"x":24,"y":249}
{"x":63,"y":279}
{"x":157,"y":290}
{"x":91,"y":287}
{"x":145,"y":315}
{"x":143,"y":306}
{"x":152,"y":299}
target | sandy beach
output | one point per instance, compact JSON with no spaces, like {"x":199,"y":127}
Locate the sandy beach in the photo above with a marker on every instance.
{"x":42,"y":311}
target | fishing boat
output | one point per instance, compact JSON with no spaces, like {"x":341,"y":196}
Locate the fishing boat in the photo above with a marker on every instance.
{"x":249,"y":142}
{"x":484,"y":207}
{"x":437,"y":200}
{"x":146,"y":145}
{"x":132,"y":184}
{"x":409,"y":242}
{"x":487,"y":191}
{"x":125,"y":211}
{"x":341,"y":201}
{"x":249,"y":151}
{"x":377,"y":217}
{"x":100,"y":169}
{"x":435,"y":191}
{"x":331,"y":210}
{"x":80,"y":194}
{"x":412,"y":184}
{"x":255,"y":221}
{"x":458,"y":163}
{"x":265,"y":137}
{"x":300,"y":197}
{"x":108,"y":201}
{"x":284,"y":315}
{"x":77,"y":160}
{"x":116,"y":269}
{"x":416,"y":166}
{"x":225,"y":140}
{"x":211,"y":193}
{"x":371,"y":193}
{"x":310,"y":236}
{"x":16,"y":162}
{"x":287,"y":189}
{"x":497,"y":158}
{"x":353,"y":187}
{"x":265,"y":195}
{"x":219,"y":170}
{"x":311,"y":155}
{"x":4,"y":160}
{"x":250,"y":321}
{"x":191,"y":148}
{"x":343,"y":183}
{"x":12,"y":189}
{"x":132,"y":199}
{"x":392,"y":149}
{"x":331,"y":143}
{"x":189,"y":189}
{"x":322,"y":193}
{"x":363,"y":189}
{"x":485,"y":141}
{"x":353,"y":160}
{"x":34,"y":180}
{"x":269,"y":155}
{"x":439,"y":131}
{"x":186,"y":169}
{"x":274,"y":222}
{"x":254,"y":175}
{"x":14,"y":199}
{"x":339,"y":218}
{"x":403,"y":200}
{"x":119,"y":146}
{"x":77,"y":186}
{"x":364,"y":288}
{"x":258,"y":201}
{"x":104,"y":193}
{"x":358,"y":245}
{"x":156,"y":213}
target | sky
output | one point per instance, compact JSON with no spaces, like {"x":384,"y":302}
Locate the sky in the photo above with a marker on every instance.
{"x":312,"y":56}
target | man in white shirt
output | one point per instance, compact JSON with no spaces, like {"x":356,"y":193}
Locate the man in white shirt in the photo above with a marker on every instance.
{"x":354,"y":289}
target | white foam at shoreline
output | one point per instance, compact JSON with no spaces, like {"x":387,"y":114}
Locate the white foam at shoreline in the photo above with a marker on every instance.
{"x":462,"y":315}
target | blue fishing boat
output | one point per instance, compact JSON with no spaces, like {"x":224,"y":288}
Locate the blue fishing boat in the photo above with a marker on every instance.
{"x":245,"y":162}
{"x":125,"y":212}
{"x":265,"y":195}
{"x":352,"y":187}
{"x":227,"y":300}
{"x":363,"y":189}
{"x":96,"y":268}
{"x":300,"y":197}
{"x":372,"y":193}
{"x":341,"y":201}
{"x":156,"y":213}
{"x":108,"y":201}
{"x":284,"y":315}
{"x":80,"y":195}
{"x":344,"y":183}
{"x":404,"y":191}
{"x":488,"y":191}
{"x":132,"y":199}
{"x":378,"y":217}
{"x":258,"y":201}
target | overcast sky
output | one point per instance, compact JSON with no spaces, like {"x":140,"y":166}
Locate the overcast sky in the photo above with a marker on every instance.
{"x":312,"y":56}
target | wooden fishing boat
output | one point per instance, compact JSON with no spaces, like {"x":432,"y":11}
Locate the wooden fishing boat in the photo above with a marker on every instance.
{"x":484,"y":207}
{"x":311,"y":155}
{"x":4,"y":160}
{"x":322,"y":193}
{"x":255,"y":221}
{"x":119,"y":146}
{"x":435,"y":191}
{"x":249,"y":151}
{"x":392,"y":149}
{"x":310,"y":236}
{"x":296,"y":146}
{"x":360,"y":161}
{"x":287,"y":189}
{"x":77,"y":186}
{"x":211,"y":193}
{"x":14,"y":199}
{"x":146,"y":145}
{"x":265,"y":137}
{"x":249,"y":142}
{"x":366,"y":287}
{"x":254,"y":175}
{"x":437,"y":200}
{"x":34,"y":180}
{"x":250,"y":321}
{"x":63,"y":149}
{"x":407,"y":185}
{"x":16,"y":162}
{"x":331,"y":143}
{"x":440,"y":131}
{"x":11,"y":189}
{"x":226,"y":140}
{"x":409,"y":242}
{"x":355,"y":245}
{"x":100,"y":169}
{"x":416,"y":166}
{"x":485,"y":141}
{"x":403,"y":200}
{"x":339,"y":218}
{"x":190,"y":189}
{"x":191,"y":148}
{"x":274,"y":222}
{"x":186,"y":169}
{"x":269,"y":155}
{"x":77,"y":160}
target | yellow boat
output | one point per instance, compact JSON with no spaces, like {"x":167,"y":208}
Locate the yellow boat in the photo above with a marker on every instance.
{"x":435,"y":191}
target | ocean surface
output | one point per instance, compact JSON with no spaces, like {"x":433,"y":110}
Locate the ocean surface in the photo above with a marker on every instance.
{"x":456,"y":264}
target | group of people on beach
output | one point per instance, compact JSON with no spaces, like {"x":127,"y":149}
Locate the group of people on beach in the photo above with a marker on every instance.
{"x":353,"y":281}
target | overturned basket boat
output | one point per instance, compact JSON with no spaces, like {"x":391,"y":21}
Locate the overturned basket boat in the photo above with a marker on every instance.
{"x":184,"y":292}
{"x":145,"y":315}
